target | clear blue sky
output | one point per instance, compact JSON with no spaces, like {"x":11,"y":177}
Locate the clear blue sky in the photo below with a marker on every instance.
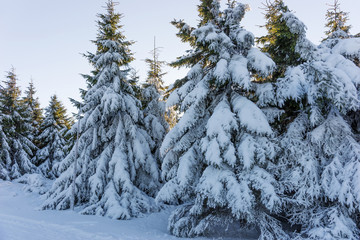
{"x":44,"y":39}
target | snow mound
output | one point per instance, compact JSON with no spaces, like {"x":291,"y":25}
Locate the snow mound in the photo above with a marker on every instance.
{"x":34,"y":182}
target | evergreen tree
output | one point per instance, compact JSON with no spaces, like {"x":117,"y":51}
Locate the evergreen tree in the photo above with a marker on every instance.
{"x":206,"y":12}
{"x":217,"y":159}
{"x":117,"y":174}
{"x":338,"y":36}
{"x":280,"y":42}
{"x":319,"y":159}
{"x":350,"y":49}
{"x":336,"y":22}
{"x":16,"y":130}
{"x":5,"y":160}
{"x":133,"y":80}
{"x":342,"y":42}
{"x":154,"y":107}
{"x":171,"y":116}
{"x":54,"y":144}
{"x":172,"y":113}
{"x":185,"y":34}
{"x":33,"y":107}
{"x":155,"y":73}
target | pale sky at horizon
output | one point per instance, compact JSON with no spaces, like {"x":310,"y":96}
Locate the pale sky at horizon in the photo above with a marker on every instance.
{"x":44,"y":39}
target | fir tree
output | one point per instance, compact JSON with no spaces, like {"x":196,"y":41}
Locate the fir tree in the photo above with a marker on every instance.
{"x":16,"y":130}
{"x":5,"y":160}
{"x":54,"y":144}
{"x":185,"y":34}
{"x":319,"y":158}
{"x":133,"y":80}
{"x":280,"y":42}
{"x":116,"y":172}
{"x":338,"y":36}
{"x":206,"y":12}
{"x":217,"y":158}
{"x":154,"y":107}
{"x":350,"y":49}
{"x":172,"y":113}
{"x":342,"y":42}
{"x":33,"y":107}
{"x":336,"y":22}
{"x":155,"y":74}
{"x":171,"y":116}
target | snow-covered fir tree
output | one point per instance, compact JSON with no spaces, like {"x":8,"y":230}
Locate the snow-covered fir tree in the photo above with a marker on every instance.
{"x":342,"y":42}
{"x":5,"y":160}
{"x":336,"y":22}
{"x":117,"y":175}
{"x":155,"y":73}
{"x":319,"y":158}
{"x":54,"y":143}
{"x":172,"y":113}
{"x":217,"y":159}
{"x":17,"y":132}
{"x":338,"y":35}
{"x":279,"y":43}
{"x":133,"y":80}
{"x":152,"y":101}
{"x":33,"y":107}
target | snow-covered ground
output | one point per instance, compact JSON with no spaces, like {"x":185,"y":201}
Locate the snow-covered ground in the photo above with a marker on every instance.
{"x":20,"y":218}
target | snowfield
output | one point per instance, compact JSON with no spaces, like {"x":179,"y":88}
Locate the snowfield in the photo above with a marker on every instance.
{"x":20,"y":218}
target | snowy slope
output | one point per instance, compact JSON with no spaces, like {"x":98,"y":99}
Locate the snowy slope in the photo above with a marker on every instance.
{"x":20,"y":219}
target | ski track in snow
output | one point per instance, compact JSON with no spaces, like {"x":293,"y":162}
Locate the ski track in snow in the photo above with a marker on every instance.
{"x":20,"y":219}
